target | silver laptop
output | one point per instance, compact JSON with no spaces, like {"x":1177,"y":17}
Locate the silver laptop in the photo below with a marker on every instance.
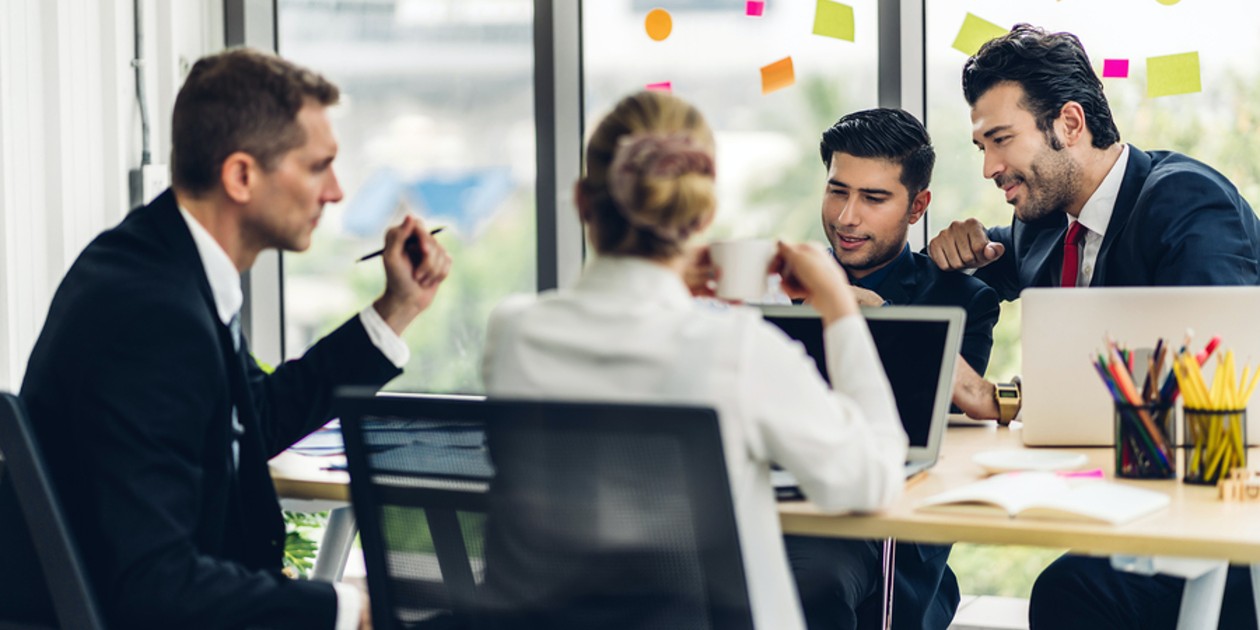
{"x":1065,"y":402}
{"x":917,"y":346}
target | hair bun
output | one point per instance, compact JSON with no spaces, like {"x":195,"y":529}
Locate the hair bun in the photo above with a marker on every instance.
{"x":643,"y":156}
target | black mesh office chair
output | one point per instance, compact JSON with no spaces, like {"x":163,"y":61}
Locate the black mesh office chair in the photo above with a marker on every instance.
{"x":568,"y":515}
{"x":68,"y":589}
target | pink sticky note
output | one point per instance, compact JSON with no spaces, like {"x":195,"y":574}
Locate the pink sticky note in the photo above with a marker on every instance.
{"x":663,"y":86}
{"x":1115,"y":68}
{"x":755,"y":8}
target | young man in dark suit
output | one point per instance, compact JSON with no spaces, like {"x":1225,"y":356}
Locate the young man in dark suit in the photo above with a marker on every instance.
{"x":155,"y":421}
{"x":879,"y":165}
{"x":1091,"y":211}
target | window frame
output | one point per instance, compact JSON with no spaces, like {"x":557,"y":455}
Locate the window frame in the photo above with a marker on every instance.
{"x":558,"y":113}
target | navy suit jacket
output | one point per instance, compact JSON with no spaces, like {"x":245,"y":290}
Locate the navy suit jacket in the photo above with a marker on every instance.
{"x":917,"y":280}
{"x":130,"y":389}
{"x":1176,"y":222}
{"x":925,"y":590}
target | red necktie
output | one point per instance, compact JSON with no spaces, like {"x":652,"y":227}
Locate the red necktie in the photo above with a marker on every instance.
{"x":1072,"y":254}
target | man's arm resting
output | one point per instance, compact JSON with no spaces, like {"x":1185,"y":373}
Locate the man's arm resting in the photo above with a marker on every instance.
{"x":975,"y":396}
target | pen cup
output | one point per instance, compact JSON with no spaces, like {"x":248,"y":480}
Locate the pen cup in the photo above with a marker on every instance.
{"x":1215,"y":443}
{"x":1144,"y":445}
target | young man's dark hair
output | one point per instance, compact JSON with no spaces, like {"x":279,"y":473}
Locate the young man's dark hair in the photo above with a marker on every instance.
{"x":1053,"y":69}
{"x":239,"y":100}
{"x":890,"y":134}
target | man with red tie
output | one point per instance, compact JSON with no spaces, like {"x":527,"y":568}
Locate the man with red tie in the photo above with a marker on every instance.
{"x":1091,"y":211}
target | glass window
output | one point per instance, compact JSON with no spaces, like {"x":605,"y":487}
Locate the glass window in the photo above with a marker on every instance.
{"x":437,"y":118}
{"x":1215,"y":125}
{"x":770,"y":176}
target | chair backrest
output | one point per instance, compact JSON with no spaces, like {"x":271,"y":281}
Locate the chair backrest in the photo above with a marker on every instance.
{"x":63,"y":570}
{"x":504,"y":513}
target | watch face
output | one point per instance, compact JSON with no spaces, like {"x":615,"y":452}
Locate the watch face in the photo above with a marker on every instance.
{"x":1007,"y":393}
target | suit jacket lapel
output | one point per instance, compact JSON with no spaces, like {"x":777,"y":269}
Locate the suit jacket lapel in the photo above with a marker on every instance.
{"x":898,"y":286}
{"x":1138,"y":167}
{"x":1038,"y":249}
{"x":170,"y":224}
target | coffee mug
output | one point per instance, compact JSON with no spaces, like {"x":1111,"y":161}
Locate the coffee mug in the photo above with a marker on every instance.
{"x":743,"y":266}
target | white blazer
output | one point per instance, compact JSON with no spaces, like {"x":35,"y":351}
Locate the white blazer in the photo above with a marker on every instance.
{"x":629,"y":331}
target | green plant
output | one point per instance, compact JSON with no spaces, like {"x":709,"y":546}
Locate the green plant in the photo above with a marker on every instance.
{"x":300,"y":546}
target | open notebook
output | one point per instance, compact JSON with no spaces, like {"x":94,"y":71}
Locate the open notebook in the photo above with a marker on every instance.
{"x":1044,"y":495}
{"x":917,"y":346}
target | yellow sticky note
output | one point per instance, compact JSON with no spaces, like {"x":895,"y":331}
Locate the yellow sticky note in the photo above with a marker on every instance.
{"x":975,"y":32}
{"x":1173,"y":74}
{"x":834,"y":19}
{"x":777,"y":75}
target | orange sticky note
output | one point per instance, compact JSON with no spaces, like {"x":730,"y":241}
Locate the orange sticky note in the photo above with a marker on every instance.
{"x":658,"y":24}
{"x":777,"y":75}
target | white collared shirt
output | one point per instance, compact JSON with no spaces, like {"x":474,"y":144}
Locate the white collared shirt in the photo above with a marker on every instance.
{"x":629,"y":331}
{"x":1096,"y":215}
{"x":225,"y":286}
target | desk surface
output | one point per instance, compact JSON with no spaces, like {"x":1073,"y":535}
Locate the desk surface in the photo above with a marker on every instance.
{"x":1196,"y":524}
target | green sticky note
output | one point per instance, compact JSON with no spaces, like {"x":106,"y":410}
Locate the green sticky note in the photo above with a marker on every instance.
{"x":834,"y":19}
{"x":1173,"y":74}
{"x":975,"y":32}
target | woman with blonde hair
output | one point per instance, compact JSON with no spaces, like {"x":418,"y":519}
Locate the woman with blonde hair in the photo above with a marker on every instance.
{"x":630,"y":324}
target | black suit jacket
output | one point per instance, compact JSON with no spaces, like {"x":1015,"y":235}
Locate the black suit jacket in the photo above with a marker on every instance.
{"x":130,"y":389}
{"x":1176,"y":222}
{"x":917,"y":280}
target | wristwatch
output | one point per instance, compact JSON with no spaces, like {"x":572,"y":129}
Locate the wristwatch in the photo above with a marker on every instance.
{"x":1009,"y":398}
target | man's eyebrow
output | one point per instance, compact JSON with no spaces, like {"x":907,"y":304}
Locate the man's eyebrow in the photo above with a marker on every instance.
{"x":869,"y":191}
{"x":997,"y":129}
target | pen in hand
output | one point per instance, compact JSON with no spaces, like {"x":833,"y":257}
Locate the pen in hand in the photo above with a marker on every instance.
{"x":412,"y":244}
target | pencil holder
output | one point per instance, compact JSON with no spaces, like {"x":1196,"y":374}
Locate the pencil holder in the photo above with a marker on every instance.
{"x":1215,"y":443}
{"x":1144,"y":445}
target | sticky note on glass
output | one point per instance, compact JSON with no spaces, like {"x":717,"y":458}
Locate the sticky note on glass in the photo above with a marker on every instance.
{"x":777,"y":75}
{"x":1115,"y":68}
{"x":833,"y":19}
{"x":976,"y":32}
{"x":755,"y":8}
{"x":662,"y":86}
{"x":658,"y":24}
{"x":1173,"y":74}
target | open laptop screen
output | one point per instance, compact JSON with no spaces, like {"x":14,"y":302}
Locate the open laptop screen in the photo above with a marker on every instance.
{"x":911,"y":352}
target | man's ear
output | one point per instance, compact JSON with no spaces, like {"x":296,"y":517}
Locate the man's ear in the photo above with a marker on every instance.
{"x":237,"y":175}
{"x":919,"y":205}
{"x":1071,"y":123}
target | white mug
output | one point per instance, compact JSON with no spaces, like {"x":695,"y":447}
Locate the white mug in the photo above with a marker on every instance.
{"x":743,"y":266}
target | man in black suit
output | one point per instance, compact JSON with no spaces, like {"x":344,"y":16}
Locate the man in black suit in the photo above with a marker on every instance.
{"x":1091,"y":211}
{"x":879,"y":164}
{"x":155,"y":421}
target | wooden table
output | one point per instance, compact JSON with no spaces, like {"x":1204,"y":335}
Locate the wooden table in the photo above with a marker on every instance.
{"x":1196,"y":524}
{"x":1195,"y":537}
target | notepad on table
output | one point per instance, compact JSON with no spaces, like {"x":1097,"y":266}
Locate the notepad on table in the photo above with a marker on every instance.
{"x":1048,"y":496}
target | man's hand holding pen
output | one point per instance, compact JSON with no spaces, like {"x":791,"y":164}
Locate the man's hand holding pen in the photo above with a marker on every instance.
{"x":415,"y":266}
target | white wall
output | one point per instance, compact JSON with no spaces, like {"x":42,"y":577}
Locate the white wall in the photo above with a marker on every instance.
{"x":70,"y":133}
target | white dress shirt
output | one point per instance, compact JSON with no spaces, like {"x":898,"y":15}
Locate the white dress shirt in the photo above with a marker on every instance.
{"x":630,"y":325}
{"x":1096,"y":214}
{"x":225,"y":286}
